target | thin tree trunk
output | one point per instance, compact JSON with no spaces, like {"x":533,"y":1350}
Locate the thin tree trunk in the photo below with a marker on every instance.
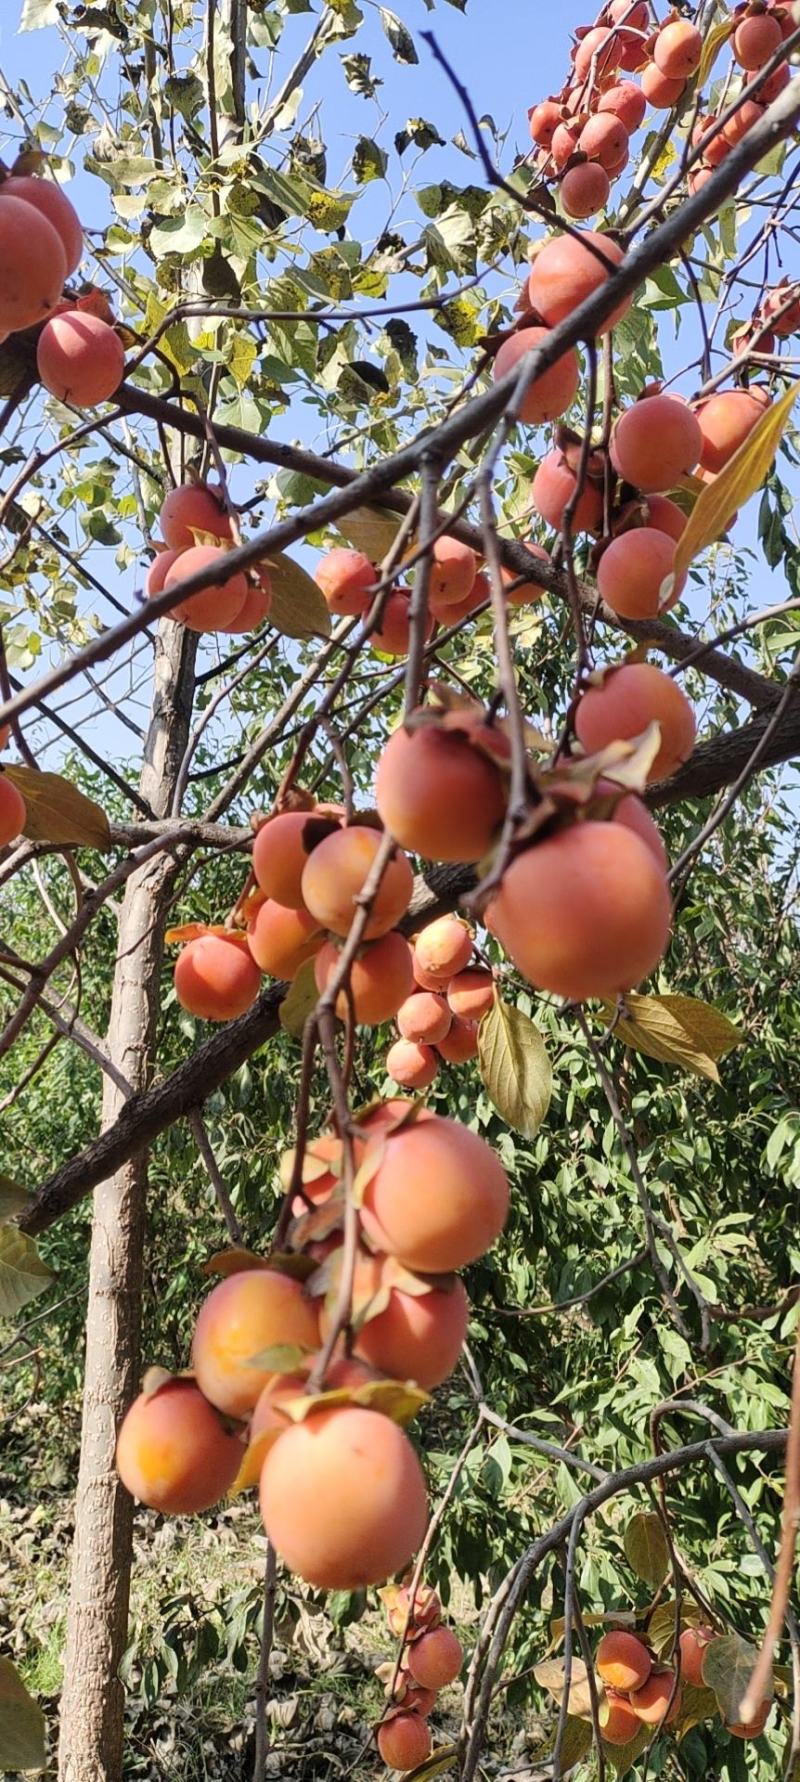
{"x":92,"y":1701}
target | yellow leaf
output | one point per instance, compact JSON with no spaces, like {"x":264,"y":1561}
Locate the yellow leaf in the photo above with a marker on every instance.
{"x":717,"y":36}
{"x":298,"y":606}
{"x":22,"y":1728}
{"x":297,"y":1004}
{"x":646,"y":1547}
{"x":440,"y":1760}
{"x":677,"y":1030}
{"x":23,"y":1274}
{"x":550,"y":1675}
{"x":371,"y":530}
{"x":742,"y":476}
{"x":57,"y":811}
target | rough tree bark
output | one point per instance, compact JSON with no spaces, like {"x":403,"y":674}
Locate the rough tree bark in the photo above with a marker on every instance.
{"x":92,"y":1702}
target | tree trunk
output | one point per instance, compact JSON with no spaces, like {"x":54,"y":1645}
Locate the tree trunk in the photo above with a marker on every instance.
{"x":92,"y":1701}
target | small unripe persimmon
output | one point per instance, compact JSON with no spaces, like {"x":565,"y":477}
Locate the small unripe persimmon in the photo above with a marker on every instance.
{"x":243,"y":1317}
{"x":618,"y":1723}
{"x":13,"y":811}
{"x":438,"y":1197}
{"x":453,"y":570}
{"x":443,"y":948}
{"x":622,"y":1660}
{"x":173,"y":1452}
{"x":662,"y":91}
{"x":336,"y":872}
{"x":632,"y":572}
{"x":726,"y":421}
{"x":567,"y":271}
{"x":424,"y":1017}
{"x":655,"y":443}
{"x":553,"y":391}
{"x":543,"y":120}
{"x":281,"y":939}
{"x":158,"y":571}
{"x":343,"y":1498}
{"x":461,"y":1043}
{"x":381,"y":978}
{"x":282,"y":847}
{"x":755,"y":40}
{"x":584,"y":191}
{"x":693,"y":1642}
{"x":651,"y":1703}
{"x":52,"y":201}
{"x":346,"y":579}
{"x":632,"y":697}
{"x":404,"y":1741}
{"x":32,"y":265}
{"x":411,"y":1064}
{"x":470,"y":994}
{"x":585,"y":913}
{"x":191,"y":508}
{"x":418,"y":1337}
{"x":554,"y":487}
{"x":436,"y":1659}
{"x":218,"y":604}
{"x":216,"y":978}
{"x":394,"y":634}
{"x":80,"y":359}
{"x":678,"y":49}
{"x":627,"y":102}
{"x":439,"y":796}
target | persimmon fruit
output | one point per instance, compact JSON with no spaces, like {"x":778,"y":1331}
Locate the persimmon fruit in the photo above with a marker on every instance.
{"x":553,"y":489}
{"x":436,"y":1659}
{"x":336,"y":872}
{"x":281,"y":939}
{"x":418,"y":1337}
{"x":438,"y":794}
{"x":655,"y":443}
{"x":173,"y":1452}
{"x":693,"y":1643}
{"x":437,"y":1197}
{"x":677,"y":49}
{"x":191,"y":508}
{"x":584,"y":913}
{"x":33,"y":265}
{"x":651,"y":1703}
{"x":216,"y":978}
{"x":584,"y":190}
{"x":244,"y":1316}
{"x":567,"y":271}
{"x":726,"y":421}
{"x":632,"y":697}
{"x":79,"y":358}
{"x":453,"y":570}
{"x":618,"y":1723}
{"x":280,"y":851}
{"x":346,"y":579}
{"x":381,"y":978}
{"x":470,"y":994}
{"x":443,"y":948}
{"x":622,"y":1660}
{"x":217,"y":605}
{"x":343,"y":1498}
{"x":424,"y":1017}
{"x":461,"y":1043}
{"x":755,"y":40}
{"x":632,"y":572}
{"x":52,"y":202}
{"x":404,"y":1741}
{"x":411,"y":1064}
{"x":551,"y":392}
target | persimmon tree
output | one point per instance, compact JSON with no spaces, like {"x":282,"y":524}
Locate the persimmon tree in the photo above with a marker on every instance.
{"x":460,"y":809}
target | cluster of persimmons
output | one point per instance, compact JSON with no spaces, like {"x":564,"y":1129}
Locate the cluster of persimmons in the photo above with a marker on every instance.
{"x":431,"y":1656}
{"x":639,"y":1691}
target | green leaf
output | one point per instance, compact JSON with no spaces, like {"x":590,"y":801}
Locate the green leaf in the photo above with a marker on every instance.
{"x":646,"y":1548}
{"x":515,"y":1067}
{"x":57,"y":811}
{"x":550,"y":1676}
{"x":677,"y":1030}
{"x":12,"y":1199}
{"x":576,"y":1743}
{"x":443,"y":1758}
{"x":728,"y":1664}
{"x":371,"y":530}
{"x":179,"y":235}
{"x":399,"y":36}
{"x":298,"y":605}
{"x":297,"y":1005}
{"x":23,"y":1275}
{"x":623,"y":1757}
{"x":22,"y":1727}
